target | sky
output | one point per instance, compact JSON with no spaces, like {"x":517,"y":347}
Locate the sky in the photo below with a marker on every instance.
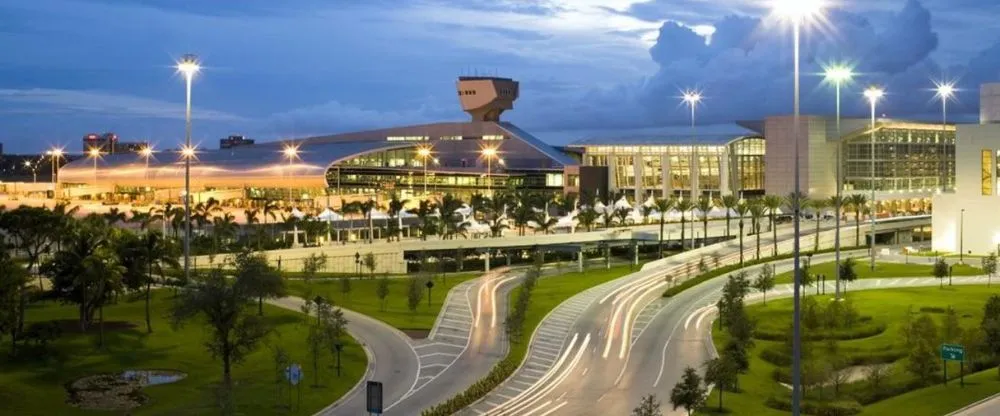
{"x":295,"y":68}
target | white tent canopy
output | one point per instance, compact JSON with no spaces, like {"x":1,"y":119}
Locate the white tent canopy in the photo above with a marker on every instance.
{"x":329,"y":215}
{"x":622,"y":203}
{"x":297,"y":214}
{"x":378,"y":215}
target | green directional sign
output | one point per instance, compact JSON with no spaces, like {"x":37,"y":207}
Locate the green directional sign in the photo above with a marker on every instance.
{"x":952,"y":352}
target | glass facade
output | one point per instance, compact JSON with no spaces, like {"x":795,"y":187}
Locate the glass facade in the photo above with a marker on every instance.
{"x":624,"y":171}
{"x":748,"y":164}
{"x":652,"y":172}
{"x":906,"y":160}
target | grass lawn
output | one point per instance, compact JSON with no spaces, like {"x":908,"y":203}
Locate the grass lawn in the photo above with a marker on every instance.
{"x":36,"y":386}
{"x":882,"y":270}
{"x":362,"y":299}
{"x":887,"y":311}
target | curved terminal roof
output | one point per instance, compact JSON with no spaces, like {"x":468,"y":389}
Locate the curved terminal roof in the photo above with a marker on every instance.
{"x":663,"y":140}
{"x":265,"y":164}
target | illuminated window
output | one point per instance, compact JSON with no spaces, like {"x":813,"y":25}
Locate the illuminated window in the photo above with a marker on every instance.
{"x":987,"y":168}
{"x":554,"y":179}
{"x":492,"y":137}
{"x":407,"y":138}
{"x":450,"y":138}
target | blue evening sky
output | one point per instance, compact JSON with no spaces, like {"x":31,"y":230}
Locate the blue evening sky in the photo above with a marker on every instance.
{"x":280,"y":69}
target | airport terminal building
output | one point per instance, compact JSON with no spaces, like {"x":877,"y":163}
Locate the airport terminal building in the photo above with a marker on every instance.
{"x":912,"y":162}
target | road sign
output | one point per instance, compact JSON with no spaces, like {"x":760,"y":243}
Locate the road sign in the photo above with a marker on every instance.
{"x":293,"y":374}
{"x":375,"y":397}
{"x":952,"y":352}
{"x":429,"y":284}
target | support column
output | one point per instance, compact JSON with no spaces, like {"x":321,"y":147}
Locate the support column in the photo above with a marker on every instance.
{"x":487,"y":262}
{"x":724,"y":186}
{"x":508,"y":257}
{"x":695,"y":180}
{"x":635,"y":253}
{"x":638,"y":167}
{"x":612,"y":175}
{"x":579,"y":261}
{"x":607,"y":257}
{"x":665,"y":175}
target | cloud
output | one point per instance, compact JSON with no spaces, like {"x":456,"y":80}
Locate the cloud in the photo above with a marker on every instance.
{"x":336,"y":117}
{"x":47,"y":101}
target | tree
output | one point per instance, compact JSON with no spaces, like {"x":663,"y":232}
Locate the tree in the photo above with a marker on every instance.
{"x":728,"y":203}
{"x":857,"y":202}
{"x":876,"y":375}
{"x":382,"y":291}
{"x":345,"y":287}
{"x":414,"y":294}
{"x":989,"y":267}
{"x":922,"y":360}
{"x":224,"y":229}
{"x":428,"y":221}
{"x":648,"y":406}
{"x":818,"y":205}
{"x":847,"y":272}
{"x":72,"y":282}
{"x":805,"y":278}
{"x":688,"y":393}
{"x":990,"y":326}
{"x":587,"y":217}
{"x":143,"y":258}
{"x":370,"y":263}
{"x":940,"y":270}
{"x":764,"y":280}
{"x":772,"y":204}
{"x":722,"y":373}
{"x":254,"y":276}
{"x":103,"y":274}
{"x":32,"y":231}
{"x":234,"y":332}
{"x":311,"y":266}
{"x":395,"y":207}
{"x":324,"y":332}
{"x":663,"y":205}
{"x":12,"y":278}
{"x":684,"y":206}
{"x":757,"y":209}
{"x":742,"y":209}
{"x":704,"y":205}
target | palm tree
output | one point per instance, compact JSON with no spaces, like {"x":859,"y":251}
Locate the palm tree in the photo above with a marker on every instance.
{"x":428,"y":223}
{"x":704,"y":205}
{"x":773,"y":204}
{"x":609,"y":216}
{"x":478,"y":203}
{"x":102,"y":272}
{"x":451,"y":220}
{"x":250,"y":215}
{"x":663,"y":205}
{"x":742,"y":209}
{"x":684,"y":206}
{"x":114,"y":216}
{"x":588,"y":216}
{"x":545,"y":223}
{"x":205,"y":211}
{"x":522,"y":214}
{"x":818,"y":205}
{"x":223,"y":229}
{"x":138,"y":217}
{"x":158,"y":252}
{"x":858,"y":202}
{"x":270,"y":210}
{"x":646,"y":211}
{"x":757,"y":209}
{"x":395,"y":207}
{"x":152,"y":215}
{"x":622,"y":214}
{"x":728,"y":203}
{"x":496,"y":211}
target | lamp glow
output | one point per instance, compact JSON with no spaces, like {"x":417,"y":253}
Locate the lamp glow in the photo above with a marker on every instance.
{"x":797,"y":10}
{"x":489,"y":152}
{"x":691,"y":97}
{"x":291,"y":151}
{"x":873,"y":94}
{"x":423,"y":152}
{"x":94,"y":152}
{"x":188,"y":152}
{"x":146,"y":152}
{"x":188,"y":65}
{"x":838,"y":73}
{"x":945,"y":90}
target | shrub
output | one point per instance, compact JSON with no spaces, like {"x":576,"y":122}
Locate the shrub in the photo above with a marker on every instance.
{"x":866,"y":330}
{"x":834,"y":408}
{"x":933,"y":309}
{"x":500,"y":372}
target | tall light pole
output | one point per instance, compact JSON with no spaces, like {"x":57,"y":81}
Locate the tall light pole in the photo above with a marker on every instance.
{"x":291,"y":153}
{"x":94,"y":153}
{"x":424,"y":153}
{"x":146,"y":152}
{"x":188,"y":66}
{"x":34,"y":170}
{"x":838,"y":75}
{"x":945,"y":91}
{"x":797,"y":12}
{"x":873,"y":94}
{"x":692,"y":98}
{"x":55,"y":155}
{"x":489,"y":153}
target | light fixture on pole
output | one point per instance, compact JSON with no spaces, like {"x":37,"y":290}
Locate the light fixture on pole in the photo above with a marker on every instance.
{"x":692,"y":98}
{"x":291,"y":152}
{"x":797,"y":12}
{"x":146,"y":152}
{"x":34,"y":170}
{"x":94,"y":153}
{"x":945,"y":91}
{"x":188,"y":66}
{"x":873,"y":94}
{"x":838,"y":75}
{"x":54,"y":156}
{"x":424,"y":153}
{"x":489,"y":153}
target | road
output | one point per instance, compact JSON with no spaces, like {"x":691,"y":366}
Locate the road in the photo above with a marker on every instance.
{"x":989,"y":406}
{"x":588,"y":354}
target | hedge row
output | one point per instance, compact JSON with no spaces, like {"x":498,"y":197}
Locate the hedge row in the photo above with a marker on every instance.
{"x":687,"y":284}
{"x":500,"y":372}
{"x":832,"y":408}
{"x":783,"y":360}
{"x":867,"y":330}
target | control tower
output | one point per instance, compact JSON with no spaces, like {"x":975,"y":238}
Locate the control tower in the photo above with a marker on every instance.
{"x":485,"y":98}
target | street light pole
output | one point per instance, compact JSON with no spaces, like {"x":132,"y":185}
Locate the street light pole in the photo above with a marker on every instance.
{"x":945,"y":90}
{"x":873,"y":94}
{"x":187,"y":66}
{"x":961,"y":237}
{"x":838,"y":75}
{"x":692,"y":98}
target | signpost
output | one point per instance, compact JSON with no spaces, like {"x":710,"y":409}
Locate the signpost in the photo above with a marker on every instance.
{"x":429,"y":284}
{"x":953,"y":352}
{"x":293,"y":374}
{"x":374,"y":401}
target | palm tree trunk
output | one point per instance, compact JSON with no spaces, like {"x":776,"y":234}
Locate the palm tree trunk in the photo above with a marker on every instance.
{"x":816,"y":248}
{"x":857,"y":229}
{"x":727,"y":222}
{"x":758,"y":241}
{"x":149,"y":325}
{"x":661,"y":236}
{"x":774,"y":234}
{"x":100,"y":320}
{"x":260,"y":306}
{"x":704,"y":234}
{"x":741,"y":242}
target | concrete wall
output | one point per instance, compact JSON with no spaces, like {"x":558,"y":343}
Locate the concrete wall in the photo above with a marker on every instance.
{"x":989,"y":103}
{"x":779,"y":170}
{"x":981,"y":222}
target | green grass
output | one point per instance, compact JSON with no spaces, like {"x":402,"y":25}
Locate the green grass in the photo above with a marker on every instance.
{"x":882,"y":270}
{"x":886,"y":308}
{"x":362,"y":299}
{"x":36,"y":387}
